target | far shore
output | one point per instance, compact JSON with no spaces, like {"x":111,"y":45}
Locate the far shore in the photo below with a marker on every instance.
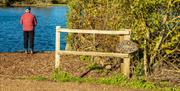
{"x":33,"y":5}
{"x":2,"y":4}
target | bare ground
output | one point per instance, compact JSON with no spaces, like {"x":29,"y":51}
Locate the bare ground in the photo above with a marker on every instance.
{"x":14,"y":66}
{"x":28,"y":85}
{"x":20,"y":64}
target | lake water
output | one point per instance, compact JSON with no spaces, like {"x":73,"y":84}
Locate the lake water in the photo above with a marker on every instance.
{"x":11,"y":34}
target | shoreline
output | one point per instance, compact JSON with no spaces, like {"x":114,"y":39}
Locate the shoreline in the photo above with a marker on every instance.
{"x":34,"y":52}
{"x":33,"y":5}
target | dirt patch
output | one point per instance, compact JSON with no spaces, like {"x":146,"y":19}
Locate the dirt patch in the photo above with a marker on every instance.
{"x":20,"y":64}
{"x":79,"y":65}
{"x":42,"y":64}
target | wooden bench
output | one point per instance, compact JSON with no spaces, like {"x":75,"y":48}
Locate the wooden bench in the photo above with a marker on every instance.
{"x":124,"y":35}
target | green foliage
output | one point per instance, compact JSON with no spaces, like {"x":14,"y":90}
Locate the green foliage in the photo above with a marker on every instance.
{"x":39,"y":78}
{"x":138,"y":70}
{"x":98,"y":14}
{"x":115,"y":80}
{"x":85,"y":58}
{"x":123,"y":81}
{"x":94,"y":66}
{"x":154,"y":16}
{"x":154,"y":24}
{"x":142,"y":84}
{"x":59,"y":75}
{"x":118,"y":80}
{"x":156,"y":29}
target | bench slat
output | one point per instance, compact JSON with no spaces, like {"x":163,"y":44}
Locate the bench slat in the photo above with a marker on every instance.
{"x":121,"y":55}
{"x":120,"y":32}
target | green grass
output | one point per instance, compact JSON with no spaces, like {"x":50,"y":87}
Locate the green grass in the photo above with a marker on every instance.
{"x":64,"y":77}
{"x":85,"y":58}
{"x":121,"y":80}
{"x":118,"y":80}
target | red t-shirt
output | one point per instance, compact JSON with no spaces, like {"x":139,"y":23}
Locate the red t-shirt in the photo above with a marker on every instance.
{"x":28,"y":21}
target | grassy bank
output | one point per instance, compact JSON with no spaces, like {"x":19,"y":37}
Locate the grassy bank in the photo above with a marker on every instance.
{"x":117,"y":80}
{"x":58,"y":4}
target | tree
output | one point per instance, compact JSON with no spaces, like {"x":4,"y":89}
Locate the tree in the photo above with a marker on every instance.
{"x":157,"y":22}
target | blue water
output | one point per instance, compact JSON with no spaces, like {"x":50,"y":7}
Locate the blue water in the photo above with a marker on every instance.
{"x":11,"y":34}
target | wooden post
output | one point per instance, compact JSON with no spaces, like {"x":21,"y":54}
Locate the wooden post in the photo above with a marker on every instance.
{"x":127,"y":37}
{"x":126,"y":67}
{"x":121,"y":38}
{"x":57,"y":46}
{"x":126,"y":61}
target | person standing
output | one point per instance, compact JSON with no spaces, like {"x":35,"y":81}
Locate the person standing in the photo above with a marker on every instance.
{"x":28,"y":21}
